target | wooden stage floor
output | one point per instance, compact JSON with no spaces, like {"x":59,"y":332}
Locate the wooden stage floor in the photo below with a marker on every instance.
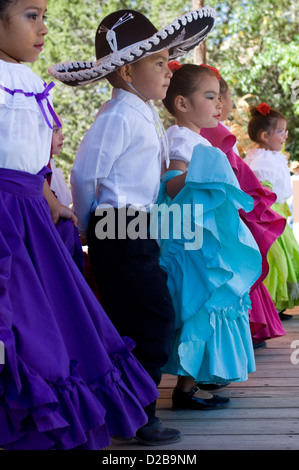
{"x":263,"y":413}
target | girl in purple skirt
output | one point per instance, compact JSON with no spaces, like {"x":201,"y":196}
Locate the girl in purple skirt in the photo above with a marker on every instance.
{"x":67,"y":379}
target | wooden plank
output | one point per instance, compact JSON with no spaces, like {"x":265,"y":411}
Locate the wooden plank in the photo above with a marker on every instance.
{"x":270,"y":381}
{"x":270,"y":358}
{"x":267,"y":382}
{"x":232,"y":413}
{"x":224,"y":442}
{"x":206,"y":427}
{"x":275,"y":352}
{"x":235,"y":392}
{"x":244,"y":401}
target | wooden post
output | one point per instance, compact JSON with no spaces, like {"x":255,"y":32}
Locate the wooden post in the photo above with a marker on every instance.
{"x":295,"y":185}
{"x":199,"y":51}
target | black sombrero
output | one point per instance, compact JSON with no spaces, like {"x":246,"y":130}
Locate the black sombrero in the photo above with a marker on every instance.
{"x":126,"y":36}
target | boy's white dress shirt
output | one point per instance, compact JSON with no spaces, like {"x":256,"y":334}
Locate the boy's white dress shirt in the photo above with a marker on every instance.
{"x":119,"y":159}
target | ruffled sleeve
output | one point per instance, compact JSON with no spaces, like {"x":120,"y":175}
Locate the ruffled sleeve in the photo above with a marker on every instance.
{"x":265,"y":224}
{"x":25,"y":116}
{"x":182,"y":142}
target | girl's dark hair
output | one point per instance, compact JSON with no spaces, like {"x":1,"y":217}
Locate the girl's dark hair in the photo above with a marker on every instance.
{"x":259,"y":123}
{"x":223,"y":86}
{"x":4,"y":8}
{"x":184,"y":82}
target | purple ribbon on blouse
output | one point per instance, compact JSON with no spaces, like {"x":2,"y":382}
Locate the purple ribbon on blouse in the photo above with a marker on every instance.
{"x":39,"y":98}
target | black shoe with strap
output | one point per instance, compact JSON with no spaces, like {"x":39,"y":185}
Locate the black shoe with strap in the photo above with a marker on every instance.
{"x":187,"y":401}
{"x":259,"y":344}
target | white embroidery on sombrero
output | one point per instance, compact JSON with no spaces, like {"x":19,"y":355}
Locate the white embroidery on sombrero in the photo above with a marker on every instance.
{"x":110,"y":33}
{"x":179,"y":39}
{"x":80,"y":72}
{"x":188,"y":43}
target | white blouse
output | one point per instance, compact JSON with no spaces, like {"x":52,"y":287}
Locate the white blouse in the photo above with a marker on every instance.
{"x":271,"y":166}
{"x":182,"y":142}
{"x":25,"y":137}
{"x":119,"y":159}
{"x":59,"y":186}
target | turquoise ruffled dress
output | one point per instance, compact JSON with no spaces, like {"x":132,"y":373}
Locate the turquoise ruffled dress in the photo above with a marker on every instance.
{"x":209,"y":284}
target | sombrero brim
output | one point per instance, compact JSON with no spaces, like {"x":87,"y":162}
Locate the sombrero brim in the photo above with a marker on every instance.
{"x":179,"y":37}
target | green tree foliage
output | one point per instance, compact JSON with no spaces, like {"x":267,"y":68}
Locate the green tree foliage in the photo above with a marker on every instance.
{"x":254,"y":44}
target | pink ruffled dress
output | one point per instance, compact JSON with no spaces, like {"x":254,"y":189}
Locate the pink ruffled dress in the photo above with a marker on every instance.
{"x":265,"y":225}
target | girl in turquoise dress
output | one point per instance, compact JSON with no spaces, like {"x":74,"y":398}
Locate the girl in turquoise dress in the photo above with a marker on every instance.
{"x":210,"y":283}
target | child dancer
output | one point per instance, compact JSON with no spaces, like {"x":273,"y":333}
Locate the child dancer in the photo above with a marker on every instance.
{"x":118,"y":167}
{"x":265,"y":225}
{"x":268,"y":129}
{"x":210,"y":286}
{"x":68,"y":380}
{"x":66,"y":229}
{"x":226,"y":106}
{"x":56,"y":179}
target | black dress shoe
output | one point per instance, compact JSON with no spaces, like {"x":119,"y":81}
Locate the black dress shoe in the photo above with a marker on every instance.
{"x":284,"y":316}
{"x":259,"y":344}
{"x":154,"y":434}
{"x":187,"y":401}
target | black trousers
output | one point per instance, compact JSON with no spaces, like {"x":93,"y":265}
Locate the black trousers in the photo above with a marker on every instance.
{"x":134,"y":293}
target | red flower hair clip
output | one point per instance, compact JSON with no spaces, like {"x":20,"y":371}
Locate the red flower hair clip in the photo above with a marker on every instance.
{"x":174,"y":65}
{"x":213,"y":69}
{"x":263,"y":109}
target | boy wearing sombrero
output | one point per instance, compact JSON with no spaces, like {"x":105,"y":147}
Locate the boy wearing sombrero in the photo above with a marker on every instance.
{"x":116,"y":178}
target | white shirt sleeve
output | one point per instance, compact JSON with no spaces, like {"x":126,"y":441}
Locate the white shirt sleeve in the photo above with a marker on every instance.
{"x":271,"y":166}
{"x":100,"y":148}
{"x":25,"y":138}
{"x":181,"y":147}
{"x":263,"y":167}
{"x":182,"y":142}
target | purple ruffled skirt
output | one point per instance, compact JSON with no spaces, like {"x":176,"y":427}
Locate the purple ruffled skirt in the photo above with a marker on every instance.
{"x":67,"y":379}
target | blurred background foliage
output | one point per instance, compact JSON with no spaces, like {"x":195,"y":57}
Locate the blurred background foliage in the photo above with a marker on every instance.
{"x":254,"y":44}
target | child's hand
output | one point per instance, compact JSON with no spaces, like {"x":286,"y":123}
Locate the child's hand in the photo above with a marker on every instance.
{"x":58,"y":210}
{"x":63,"y":212}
